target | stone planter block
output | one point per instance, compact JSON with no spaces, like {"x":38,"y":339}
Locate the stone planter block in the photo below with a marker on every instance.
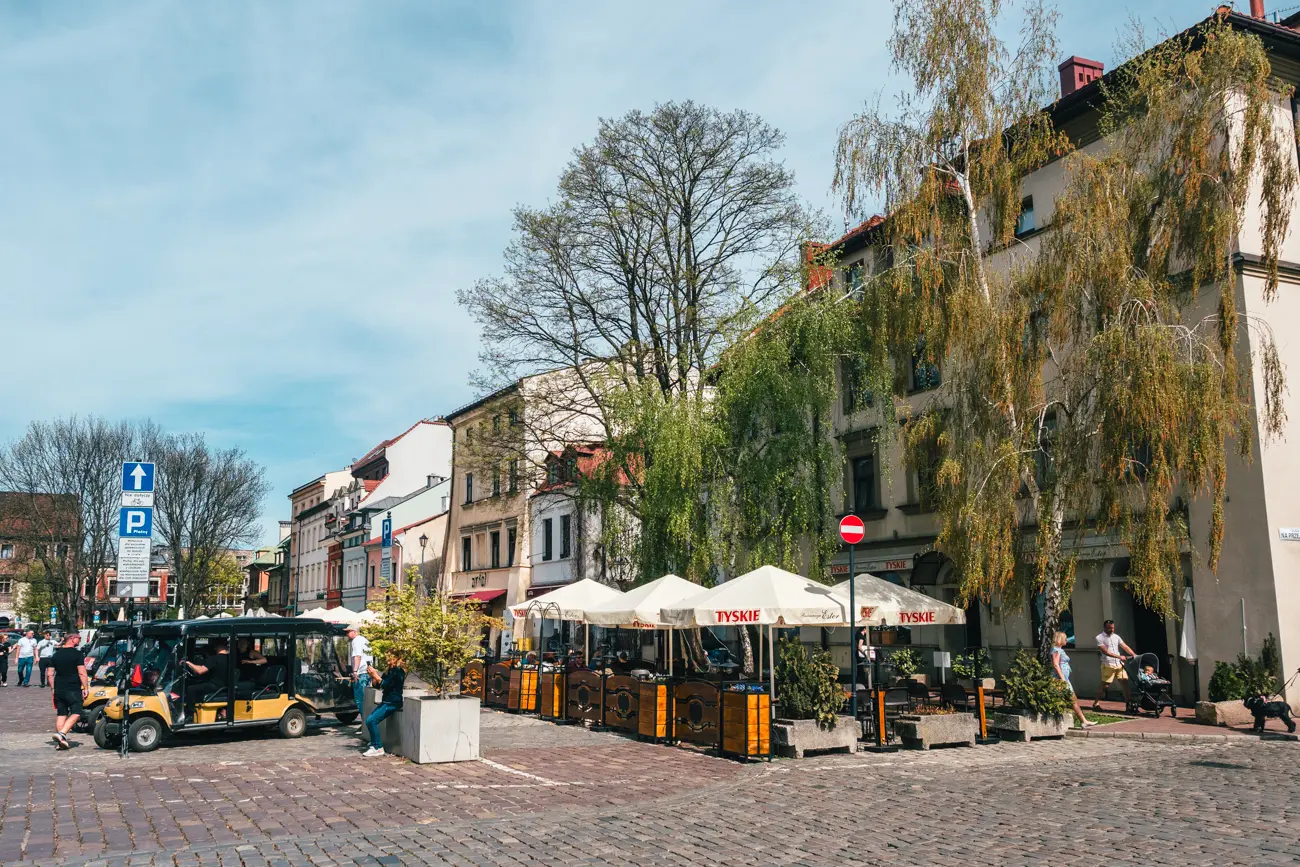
{"x":1223,"y":713}
{"x":436,"y":730}
{"x":922,"y":731}
{"x":1019,"y":726}
{"x":390,"y":730}
{"x":794,"y":737}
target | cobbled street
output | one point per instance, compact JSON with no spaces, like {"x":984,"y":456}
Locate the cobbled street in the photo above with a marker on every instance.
{"x":552,"y":795}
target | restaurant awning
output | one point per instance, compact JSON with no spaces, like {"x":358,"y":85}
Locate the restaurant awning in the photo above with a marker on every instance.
{"x":639,"y":608}
{"x":567,"y":603}
{"x":480,"y":595}
{"x":767,"y":596}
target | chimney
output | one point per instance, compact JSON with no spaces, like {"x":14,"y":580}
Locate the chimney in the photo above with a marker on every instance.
{"x":1077,"y":72}
{"x":1257,"y":9}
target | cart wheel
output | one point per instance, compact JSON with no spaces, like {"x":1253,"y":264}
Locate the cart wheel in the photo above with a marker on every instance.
{"x":146,"y":734}
{"x":293,"y":724}
{"x":1173,"y":711}
{"x":91,"y":719}
{"x":102,"y":740}
{"x":347,"y":718}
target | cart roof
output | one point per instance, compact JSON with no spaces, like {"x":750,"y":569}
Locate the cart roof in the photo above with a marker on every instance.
{"x":239,"y":626}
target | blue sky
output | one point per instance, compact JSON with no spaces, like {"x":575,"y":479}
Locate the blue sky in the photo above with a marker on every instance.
{"x":250,"y":219}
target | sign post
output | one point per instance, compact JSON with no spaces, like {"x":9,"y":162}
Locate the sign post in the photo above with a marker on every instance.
{"x":851,"y":531}
{"x":386,"y":549}
{"x":134,"y":552}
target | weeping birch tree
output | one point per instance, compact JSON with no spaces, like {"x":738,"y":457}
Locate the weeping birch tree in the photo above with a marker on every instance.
{"x":1096,"y":371}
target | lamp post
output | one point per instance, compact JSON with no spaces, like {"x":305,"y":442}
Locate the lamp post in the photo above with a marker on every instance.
{"x":424,"y":540}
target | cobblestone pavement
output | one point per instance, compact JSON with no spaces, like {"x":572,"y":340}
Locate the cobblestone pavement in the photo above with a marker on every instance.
{"x":552,"y":795}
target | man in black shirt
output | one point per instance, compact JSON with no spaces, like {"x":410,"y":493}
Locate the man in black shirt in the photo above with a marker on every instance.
{"x":214,"y":673}
{"x":67,"y":676}
{"x":4,"y":661}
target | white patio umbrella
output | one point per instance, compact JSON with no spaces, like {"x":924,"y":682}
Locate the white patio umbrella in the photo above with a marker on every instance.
{"x":337,"y":615}
{"x":640,"y":607}
{"x":313,"y":614}
{"x":769,"y":597}
{"x":882,"y":603}
{"x":569,"y":602}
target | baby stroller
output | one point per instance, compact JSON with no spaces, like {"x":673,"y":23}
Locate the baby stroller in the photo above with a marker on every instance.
{"x":1149,"y":693}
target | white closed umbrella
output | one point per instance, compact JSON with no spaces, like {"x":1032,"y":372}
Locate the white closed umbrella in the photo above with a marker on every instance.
{"x":882,"y":603}
{"x":1187,"y":646}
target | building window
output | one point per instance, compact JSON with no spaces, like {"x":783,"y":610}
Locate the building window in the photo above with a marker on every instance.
{"x":6,"y":551}
{"x":171,"y":593}
{"x":469,"y":487}
{"x":372,"y":575}
{"x":512,"y":475}
{"x":866,"y":493}
{"x":566,"y":536}
{"x":922,"y":480}
{"x":1025,"y":222}
{"x":62,"y":551}
{"x":496,"y":424}
{"x":1044,"y":465}
{"x":496,"y":481}
{"x":924,"y":373}
{"x":153,"y":588}
{"x":553,"y":473}
{"x":510,"y":546}
{"x":466,"y":544}
{"x":514,"y":418}
{"x":853,"y":396}
{"x":547,"y":552}
{"x":6,"y":585}
{"x":494,"y":544}
{"x":853,"y":279}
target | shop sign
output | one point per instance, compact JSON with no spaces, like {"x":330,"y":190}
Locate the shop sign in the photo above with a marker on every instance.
{"x":1289,"y":534}
{"x":901,"y":564}
{"x":907,"y":617}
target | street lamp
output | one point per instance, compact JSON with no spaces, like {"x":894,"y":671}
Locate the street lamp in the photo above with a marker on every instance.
{"x":424,"y":540}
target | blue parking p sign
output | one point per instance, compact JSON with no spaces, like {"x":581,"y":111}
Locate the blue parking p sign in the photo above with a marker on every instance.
{"x":387,"y":533}
{"x":134,"y":523}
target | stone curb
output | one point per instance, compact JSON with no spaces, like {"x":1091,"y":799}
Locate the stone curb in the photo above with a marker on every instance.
{"x":1185,"y":738}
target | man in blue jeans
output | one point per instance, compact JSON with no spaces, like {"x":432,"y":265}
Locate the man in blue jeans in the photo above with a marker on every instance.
{"x":26,"y":657}
{"x":391,"y":684}
{"x":359,"y":654}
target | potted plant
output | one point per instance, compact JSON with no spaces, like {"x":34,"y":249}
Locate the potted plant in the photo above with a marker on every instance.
{"x":1234,"y":681}
{"x":906,"y":662}
{"x":973,"y":665}
{"x":936,"y":725}
{"x":810,"y":698}
{"x":1037,"y":704}
{"x":434,"y":636}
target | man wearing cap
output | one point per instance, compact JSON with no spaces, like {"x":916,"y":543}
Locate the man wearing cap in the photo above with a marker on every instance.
{"x":361,"y":662}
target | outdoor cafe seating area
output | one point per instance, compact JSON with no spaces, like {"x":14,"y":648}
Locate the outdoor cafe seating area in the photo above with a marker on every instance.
{"x":655,"y":699}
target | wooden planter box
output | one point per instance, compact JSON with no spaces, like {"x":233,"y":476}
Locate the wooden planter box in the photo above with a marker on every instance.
{"x":747,"y":724}
{"x":552,"y":702}
{"x":794,"y":737}
{"x":1023,"y":726}
{"x":471,"y":678}
{"x":697,"y":713}
{"x":496,"y":686}
{"x":622,"y":695}
{"x":652,"y":711}
{"x":922,"y":731}
{"x":523,"y":690}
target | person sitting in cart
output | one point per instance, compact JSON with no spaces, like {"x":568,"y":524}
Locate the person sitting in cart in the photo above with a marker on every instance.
{"x":250,"y":659}
{"x":214,"y":673}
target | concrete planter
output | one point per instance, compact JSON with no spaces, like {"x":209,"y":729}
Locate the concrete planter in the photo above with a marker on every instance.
{"x":794,"y":737}
{"x":429,"y":729}
{"x":1024,"y":726}
{"x":437,"y":730}
{"x":922,"y":731}
{"x":1223,"y":713}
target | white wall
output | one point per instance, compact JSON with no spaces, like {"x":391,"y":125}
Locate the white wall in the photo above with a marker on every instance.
{"x":422,"y":451}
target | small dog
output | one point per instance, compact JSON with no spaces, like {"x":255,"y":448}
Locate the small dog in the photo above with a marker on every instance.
{"x":1264,"y":709}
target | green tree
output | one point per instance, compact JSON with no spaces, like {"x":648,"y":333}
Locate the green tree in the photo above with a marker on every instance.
{"x":1083,"y":378}
{"x":37,"y":593}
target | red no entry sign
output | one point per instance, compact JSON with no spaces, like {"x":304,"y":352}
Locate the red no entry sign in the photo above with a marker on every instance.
{"x":852,"y":529}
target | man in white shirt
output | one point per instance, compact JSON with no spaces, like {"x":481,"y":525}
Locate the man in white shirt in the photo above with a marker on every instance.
{"x":361,"y":662}
{"x":26,"y":657}
{"x":1113,"y":653}
{"x":45,"y":655}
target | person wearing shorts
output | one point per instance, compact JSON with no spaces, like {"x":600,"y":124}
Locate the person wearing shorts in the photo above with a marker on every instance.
{"x":70,"y":683}
{"x":1113,"y":653}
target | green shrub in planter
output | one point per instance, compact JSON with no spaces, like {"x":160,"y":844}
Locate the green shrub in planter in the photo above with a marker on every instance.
{"x":808,"y":684}
{"x":906,"y":662}
{"x":969,"y":666}
{"x":1029,"y":685}
{"x":1233,"y":681}
{"x":1226,"y":683}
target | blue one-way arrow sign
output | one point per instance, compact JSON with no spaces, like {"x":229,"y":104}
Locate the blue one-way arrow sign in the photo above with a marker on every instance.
{"x":135,"y":523}
{"x":137,"y":476}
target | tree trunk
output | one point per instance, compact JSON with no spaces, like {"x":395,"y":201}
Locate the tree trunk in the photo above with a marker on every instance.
{"x":693,"y":646}
{"x":1053,"y":577}
{"x":747,"y":652}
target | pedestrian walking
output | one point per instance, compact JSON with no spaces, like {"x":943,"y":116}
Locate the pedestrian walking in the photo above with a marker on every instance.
{"x":1061,"y":670}
{"x":4,"y":662}
{"x":44,"y":653}
{"x":71,"y":685}
{"x":1113,"y":653}
{"x":26,"y":657}
{"x":391,"y":685}
{"x":362,"y":659}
